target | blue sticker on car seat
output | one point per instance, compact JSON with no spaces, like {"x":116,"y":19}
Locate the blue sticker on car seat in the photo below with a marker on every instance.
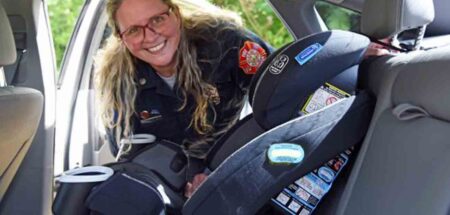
{"x":308,"y":53}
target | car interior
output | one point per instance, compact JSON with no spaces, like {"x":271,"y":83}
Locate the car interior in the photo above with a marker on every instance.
{"x":386,"y":131}
{"x":14,"y":102}
{"x":26,"y":105}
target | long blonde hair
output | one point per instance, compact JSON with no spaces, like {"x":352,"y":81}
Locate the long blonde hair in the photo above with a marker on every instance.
{"x":116,"y":72}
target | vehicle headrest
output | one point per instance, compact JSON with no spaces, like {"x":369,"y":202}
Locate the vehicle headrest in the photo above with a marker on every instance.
{"x":289,"y":76}
{"x":7,"y":45}
{"x":386,"y":18}
{"x":423,"y":82}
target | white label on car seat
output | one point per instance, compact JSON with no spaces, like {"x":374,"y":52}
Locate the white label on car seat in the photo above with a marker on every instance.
{"x":300,"y":192}
{"x":278,"y":64}
{"x":294,"y":206}
{"x":314,"y":185}
{"x":324,"y":96}
{"x":305,"y":212}
{"x":283,"y":198}
{"x":309,"y":189}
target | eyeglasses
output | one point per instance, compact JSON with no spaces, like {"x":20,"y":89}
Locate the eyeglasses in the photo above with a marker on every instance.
{"x":155,"y":24}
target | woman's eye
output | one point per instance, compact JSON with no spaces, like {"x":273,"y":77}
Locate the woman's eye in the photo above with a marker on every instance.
{"x":132,"y":31}
{"x":158,"y":20}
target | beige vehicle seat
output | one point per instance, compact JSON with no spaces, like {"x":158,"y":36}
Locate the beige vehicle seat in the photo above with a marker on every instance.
{"x":20,"y":112}
{"x":404,"y":163}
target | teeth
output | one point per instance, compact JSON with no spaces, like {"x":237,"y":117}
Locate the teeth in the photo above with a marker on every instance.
{"x":156,"y":48}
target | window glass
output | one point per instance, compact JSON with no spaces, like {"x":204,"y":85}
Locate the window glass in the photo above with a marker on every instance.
{"x":336,"y":17}
{"x":63,"y":16}
{"x":259,"y":17}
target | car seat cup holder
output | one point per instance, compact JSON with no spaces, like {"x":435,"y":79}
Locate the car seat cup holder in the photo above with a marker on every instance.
{"x":75,"y":186}
{"x":135,"y":140}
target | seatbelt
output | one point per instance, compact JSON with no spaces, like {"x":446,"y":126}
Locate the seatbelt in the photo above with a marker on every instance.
{"x":16,"y":66}
{"x":375,"y":40}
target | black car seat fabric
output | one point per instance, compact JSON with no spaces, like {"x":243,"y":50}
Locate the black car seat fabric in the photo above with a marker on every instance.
{"x":288,"y":78}
{"x":302,"y":68}
{"x":245,"y":181}
{"x":20,"y":112}
{"x":241,"y":133}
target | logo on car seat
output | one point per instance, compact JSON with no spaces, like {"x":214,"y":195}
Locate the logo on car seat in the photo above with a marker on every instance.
{"x":278,"y":64}
{"x":308,"y":53}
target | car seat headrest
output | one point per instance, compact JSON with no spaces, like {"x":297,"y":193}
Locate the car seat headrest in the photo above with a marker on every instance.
{"x":7,"y":45}
{"x":423,"y":82}
{"x":289,"y":76}
{"x":385,"y":18}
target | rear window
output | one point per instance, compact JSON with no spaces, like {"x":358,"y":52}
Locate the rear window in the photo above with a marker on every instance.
{"x":337,"y":17}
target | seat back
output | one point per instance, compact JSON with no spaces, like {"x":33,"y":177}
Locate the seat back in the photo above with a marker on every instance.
{"x":403,"y":165}
{"x":20,"y":112}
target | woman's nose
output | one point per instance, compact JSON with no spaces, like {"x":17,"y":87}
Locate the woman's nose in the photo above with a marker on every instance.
{"x":149,"y":34}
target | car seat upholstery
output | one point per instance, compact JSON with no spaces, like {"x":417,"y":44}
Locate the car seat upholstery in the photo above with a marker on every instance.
{"x":278,"y":98}
{"x":402,"y":167}
{"x":20,"y":112}
{"x":246,"y":180}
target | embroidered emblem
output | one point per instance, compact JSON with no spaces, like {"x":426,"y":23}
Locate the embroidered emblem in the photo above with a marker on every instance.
{"x":251,"y":56}
{"x":150,"y":116}
{"x":144,"y":114}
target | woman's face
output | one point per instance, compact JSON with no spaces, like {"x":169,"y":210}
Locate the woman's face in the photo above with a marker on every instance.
{"x":150,"y":31}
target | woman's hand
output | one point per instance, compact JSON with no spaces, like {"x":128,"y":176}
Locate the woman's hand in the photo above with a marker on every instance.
{"x":375,"y":49}
{"x":191,"y":187}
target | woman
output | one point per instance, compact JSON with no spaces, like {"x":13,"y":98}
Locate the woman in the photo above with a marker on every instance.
{"x":181,"y":78}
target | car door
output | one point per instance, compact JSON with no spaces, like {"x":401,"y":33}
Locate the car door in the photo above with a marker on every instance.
{"x":77,"y":142}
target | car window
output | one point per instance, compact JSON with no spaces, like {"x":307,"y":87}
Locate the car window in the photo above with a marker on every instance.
{"x":337,"y":17}
{"x":62,"y":27}
{"x":260,"y":18}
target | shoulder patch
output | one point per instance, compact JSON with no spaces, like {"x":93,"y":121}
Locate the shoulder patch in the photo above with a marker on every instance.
{"x":251,"y":56}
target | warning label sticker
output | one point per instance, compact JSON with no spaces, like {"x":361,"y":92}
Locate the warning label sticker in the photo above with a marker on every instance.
{"x":324,"y":96}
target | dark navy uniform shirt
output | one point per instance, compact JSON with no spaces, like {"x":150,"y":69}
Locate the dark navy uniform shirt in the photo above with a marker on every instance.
{"x":225,"y":63}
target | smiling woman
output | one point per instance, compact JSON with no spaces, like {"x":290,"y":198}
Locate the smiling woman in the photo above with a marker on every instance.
{"x":179,"y":76}
{"x":156,"y":46}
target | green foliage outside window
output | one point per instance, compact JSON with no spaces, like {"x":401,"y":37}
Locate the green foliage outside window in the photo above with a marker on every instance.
{"x":257,"y":16}
{"x":63,"y":15}
{"x":336,"y":17}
